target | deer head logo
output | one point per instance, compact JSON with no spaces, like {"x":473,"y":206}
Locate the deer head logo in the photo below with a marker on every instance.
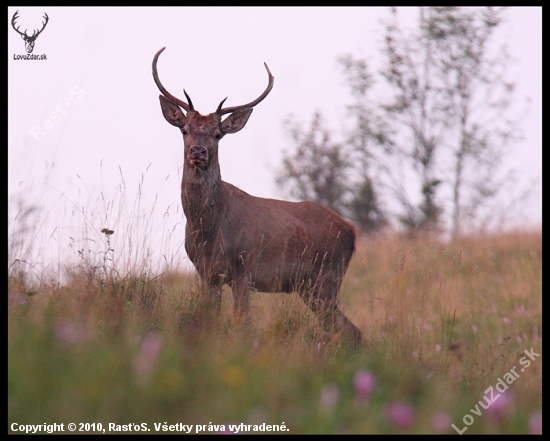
{"x":29,"y":39}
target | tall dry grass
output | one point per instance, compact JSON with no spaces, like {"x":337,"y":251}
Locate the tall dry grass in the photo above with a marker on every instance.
{"x":442,"y":322}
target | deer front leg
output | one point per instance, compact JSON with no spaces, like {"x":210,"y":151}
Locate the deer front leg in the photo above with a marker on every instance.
{"x":205,"y":316}
{"x":241,"y":299}
{"x":210,"y":301}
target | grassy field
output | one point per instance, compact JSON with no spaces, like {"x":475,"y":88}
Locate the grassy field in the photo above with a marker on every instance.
{"x":446,"y":326}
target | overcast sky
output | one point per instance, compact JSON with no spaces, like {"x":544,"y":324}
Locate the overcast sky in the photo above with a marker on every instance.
{"x":91,"y":109}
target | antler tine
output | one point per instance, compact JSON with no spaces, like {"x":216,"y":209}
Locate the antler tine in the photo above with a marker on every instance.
{"x":187,"y":107}
{"x":15,"y":17}
{"x":36,"y":32}
{"x":221,"y":111}
{"x":43,"y":24}
{"x":188,"y":99}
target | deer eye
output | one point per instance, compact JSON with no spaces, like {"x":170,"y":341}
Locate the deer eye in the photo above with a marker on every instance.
{"x":184,"y":132}
{"x":218,"y":136}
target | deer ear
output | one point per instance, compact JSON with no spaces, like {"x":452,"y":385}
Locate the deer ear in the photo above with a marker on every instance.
{"x":236,"y":121}
{"x":172,"y":112}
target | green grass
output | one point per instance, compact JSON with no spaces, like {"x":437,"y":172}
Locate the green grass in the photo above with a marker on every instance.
{"x":442,"y":322}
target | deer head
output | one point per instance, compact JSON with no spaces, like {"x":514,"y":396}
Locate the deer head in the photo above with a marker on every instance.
{"x":201,"y":134}
{"x":29,"y":40}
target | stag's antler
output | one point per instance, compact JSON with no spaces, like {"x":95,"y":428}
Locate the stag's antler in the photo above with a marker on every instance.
{"x":219,"y":111}
{"x":271,"y":80}
{"x":35,"y":33}
{"x":187,"y":107}
{"x":15,"y":17}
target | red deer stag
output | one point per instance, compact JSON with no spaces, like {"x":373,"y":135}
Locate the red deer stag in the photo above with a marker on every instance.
{"x":248,"y":242}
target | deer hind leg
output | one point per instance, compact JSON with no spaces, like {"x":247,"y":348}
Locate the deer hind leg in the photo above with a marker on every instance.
{"x":322,"y":300}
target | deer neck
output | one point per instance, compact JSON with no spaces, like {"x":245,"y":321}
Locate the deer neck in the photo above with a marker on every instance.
{"x":202,"y":197}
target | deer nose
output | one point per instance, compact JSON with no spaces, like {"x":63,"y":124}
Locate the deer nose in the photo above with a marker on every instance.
{"x":197,"y":152}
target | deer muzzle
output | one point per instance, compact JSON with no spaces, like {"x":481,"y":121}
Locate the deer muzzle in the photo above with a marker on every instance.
{"x":197,"y":156}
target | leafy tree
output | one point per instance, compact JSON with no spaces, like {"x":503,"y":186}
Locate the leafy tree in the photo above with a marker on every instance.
{"x":365,"y":207}
{"x":434,"y":143}
{"x":477,"y":97}
{"x":317,"y":168}
{"x":324,"y":171}
{"x":369,"y":143}
{"x":445,"y":124}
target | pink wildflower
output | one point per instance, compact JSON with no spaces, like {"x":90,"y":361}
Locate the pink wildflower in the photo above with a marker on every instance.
{"x":68,"y":332}
{"x":145,"y":361}
{"x":441,"y":422}
{"x":363,"y":382}
{"x":329,"y":397}
{"x":498,"y":410}
{"x":535,"y":423}
{"x":400,"y":414}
